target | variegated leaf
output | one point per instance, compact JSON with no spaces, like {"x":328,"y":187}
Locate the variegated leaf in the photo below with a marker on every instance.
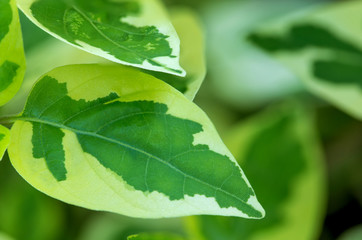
{"x":115,"y":139}
{"x":323,"y":47}
{"x":279,"y":145}
{"x":135,"y":32}
{"x":12,"y":60}
{"x":4,"y":140}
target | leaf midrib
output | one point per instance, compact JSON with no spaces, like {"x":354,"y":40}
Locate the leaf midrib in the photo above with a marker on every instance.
{"x":77,"y":131}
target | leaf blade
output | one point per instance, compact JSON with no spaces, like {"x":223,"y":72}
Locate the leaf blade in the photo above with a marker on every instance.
{"x":126,"y":134}
{"x":123,"y":32}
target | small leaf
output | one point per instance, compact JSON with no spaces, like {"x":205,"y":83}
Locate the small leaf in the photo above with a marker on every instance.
{"x":279,"y":145}
{"x":12,"y":59}
{"x":136,"y":33}
{"x":155,"y":236}
{"x":115,"y":139}
{"x":322,"y":46}
{"x":4,"y":140}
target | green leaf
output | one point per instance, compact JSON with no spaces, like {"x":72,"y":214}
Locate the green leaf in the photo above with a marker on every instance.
{"x":280,"y":146}
{"x":155,"y":236}
{"x":115,"y":139}
{"x":12,"y":59}
{"x":136,"y":33}
{"x":192,"y":56}
{"x":322,"y":46}
{"x":4,"y":140}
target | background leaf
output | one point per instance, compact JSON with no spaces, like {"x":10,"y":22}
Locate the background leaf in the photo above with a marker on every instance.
{"x":241,"y":74}
{"x":126,"y":147}
{"x":12,"y":60}
{"x":281,"y":156}
{"x":136,"y":33}
{"x":322,"y":46}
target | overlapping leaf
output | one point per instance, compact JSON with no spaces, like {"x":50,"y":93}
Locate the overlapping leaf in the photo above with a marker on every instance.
{"x":112,"y":138}
{"x":4,"y":140}
{"x":323,"y":46}
{"x":192,"y":56}
{"x":281,"y":147}
{"x":135,"y":32}
{"x":12,"y":60}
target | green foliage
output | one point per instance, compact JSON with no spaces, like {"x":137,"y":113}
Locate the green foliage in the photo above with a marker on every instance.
{"x":91,"y":132}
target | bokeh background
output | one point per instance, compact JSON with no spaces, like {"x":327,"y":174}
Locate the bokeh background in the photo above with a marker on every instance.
{"x":302,"y":155}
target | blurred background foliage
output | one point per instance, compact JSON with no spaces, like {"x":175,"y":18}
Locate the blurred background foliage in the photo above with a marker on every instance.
{"x":302,"y":155}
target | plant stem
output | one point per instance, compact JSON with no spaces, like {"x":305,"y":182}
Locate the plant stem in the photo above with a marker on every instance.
{"x":9,"y":119}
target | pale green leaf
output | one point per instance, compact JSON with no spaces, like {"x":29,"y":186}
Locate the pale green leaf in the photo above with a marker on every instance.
{"x":280,"y":146}
{"x":155,"y":236}
{"x":115,"y":139}
{"x":323,"y":47}
{"x":12,"y":59}
{"x":136,"y":32}
{"x":4,"y":140}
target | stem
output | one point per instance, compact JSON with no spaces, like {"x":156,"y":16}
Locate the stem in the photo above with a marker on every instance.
{"x":9,"y":119}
